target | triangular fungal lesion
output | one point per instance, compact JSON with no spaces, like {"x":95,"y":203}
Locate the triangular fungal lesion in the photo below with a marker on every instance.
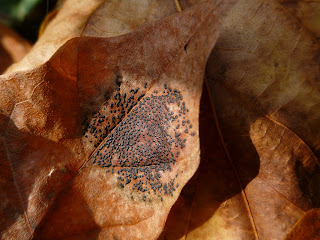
{"x":141,"y":139}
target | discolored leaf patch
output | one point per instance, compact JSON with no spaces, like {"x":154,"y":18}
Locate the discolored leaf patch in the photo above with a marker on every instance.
{"x":143,"y":146}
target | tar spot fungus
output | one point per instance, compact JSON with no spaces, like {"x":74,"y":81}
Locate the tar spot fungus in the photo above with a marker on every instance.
{"x":133,"y":139}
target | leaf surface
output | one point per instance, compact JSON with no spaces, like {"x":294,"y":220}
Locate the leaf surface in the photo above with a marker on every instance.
{"x":99,"y":140}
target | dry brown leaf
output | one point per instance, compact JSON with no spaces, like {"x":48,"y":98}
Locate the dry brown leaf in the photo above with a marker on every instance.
{"x":259,"y":170}
{"x":264,"y":84}
{"x":307,"y":13}
{"x":307,"y":228}
{"x":12,"y":48}
{"x":72,"y":164}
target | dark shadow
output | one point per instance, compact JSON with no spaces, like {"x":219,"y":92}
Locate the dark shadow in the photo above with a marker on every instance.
{"x":29,"y":155}
{"x":10,"y":208}
{"x":70,"y":218}
{"x":309,"y":182}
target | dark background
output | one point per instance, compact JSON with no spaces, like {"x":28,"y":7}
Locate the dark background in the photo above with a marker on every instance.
{"x":25,"y":16}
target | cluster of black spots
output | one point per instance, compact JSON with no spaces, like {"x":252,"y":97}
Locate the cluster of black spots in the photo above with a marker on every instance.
{"x":144,"y":144}
{"x":102,"y":122}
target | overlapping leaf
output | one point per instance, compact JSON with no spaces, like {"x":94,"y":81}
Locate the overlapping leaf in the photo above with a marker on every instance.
{"x":263,"y":81}
{"x":98,"y":141}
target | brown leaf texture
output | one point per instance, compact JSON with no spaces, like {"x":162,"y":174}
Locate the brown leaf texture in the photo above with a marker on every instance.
{"x":263,"y":175}
{"x":98,"y":142}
